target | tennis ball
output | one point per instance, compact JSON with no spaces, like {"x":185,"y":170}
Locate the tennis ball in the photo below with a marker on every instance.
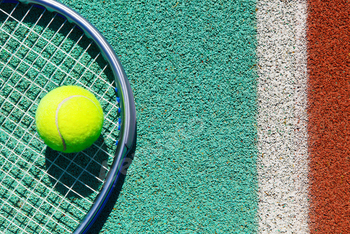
{"x":69,"y":119}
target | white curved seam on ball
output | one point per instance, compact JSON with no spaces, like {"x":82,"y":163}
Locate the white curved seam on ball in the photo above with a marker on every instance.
{"x":58,"y":109}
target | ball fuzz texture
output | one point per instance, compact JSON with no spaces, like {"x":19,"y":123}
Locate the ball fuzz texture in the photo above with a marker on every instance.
{"x":69,"y":119}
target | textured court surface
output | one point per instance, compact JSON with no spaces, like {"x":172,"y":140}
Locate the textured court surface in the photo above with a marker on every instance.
{"x":329,"y":91}
{"x":242,"y":111}
{"x":192,"y":67}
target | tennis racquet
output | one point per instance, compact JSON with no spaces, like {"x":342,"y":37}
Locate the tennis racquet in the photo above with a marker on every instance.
{"x":44,"y":45}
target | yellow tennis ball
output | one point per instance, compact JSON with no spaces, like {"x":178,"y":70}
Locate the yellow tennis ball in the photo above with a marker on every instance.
{"x":69,"y":119}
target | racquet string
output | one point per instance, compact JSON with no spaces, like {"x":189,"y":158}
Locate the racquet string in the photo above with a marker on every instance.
{"x":41,"y":190}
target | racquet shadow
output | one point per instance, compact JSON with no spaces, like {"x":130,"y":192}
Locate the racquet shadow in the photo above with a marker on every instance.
{"x":77,"y":174}
{"x":100,"y":221}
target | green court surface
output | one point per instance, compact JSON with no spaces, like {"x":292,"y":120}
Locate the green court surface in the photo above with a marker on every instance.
{"x":192,"y":68}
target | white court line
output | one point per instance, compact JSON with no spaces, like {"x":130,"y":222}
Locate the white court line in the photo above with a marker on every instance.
{"x":301,"y":120}
{"x":282,"y":118}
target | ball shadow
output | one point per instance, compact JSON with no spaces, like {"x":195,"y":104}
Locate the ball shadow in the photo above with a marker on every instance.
{"x":77,"y":174}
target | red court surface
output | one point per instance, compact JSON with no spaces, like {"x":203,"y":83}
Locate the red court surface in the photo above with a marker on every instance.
{"x":329,"y":115}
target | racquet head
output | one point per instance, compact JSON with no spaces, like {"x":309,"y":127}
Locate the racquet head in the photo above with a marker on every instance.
{"x":44,"y":45}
